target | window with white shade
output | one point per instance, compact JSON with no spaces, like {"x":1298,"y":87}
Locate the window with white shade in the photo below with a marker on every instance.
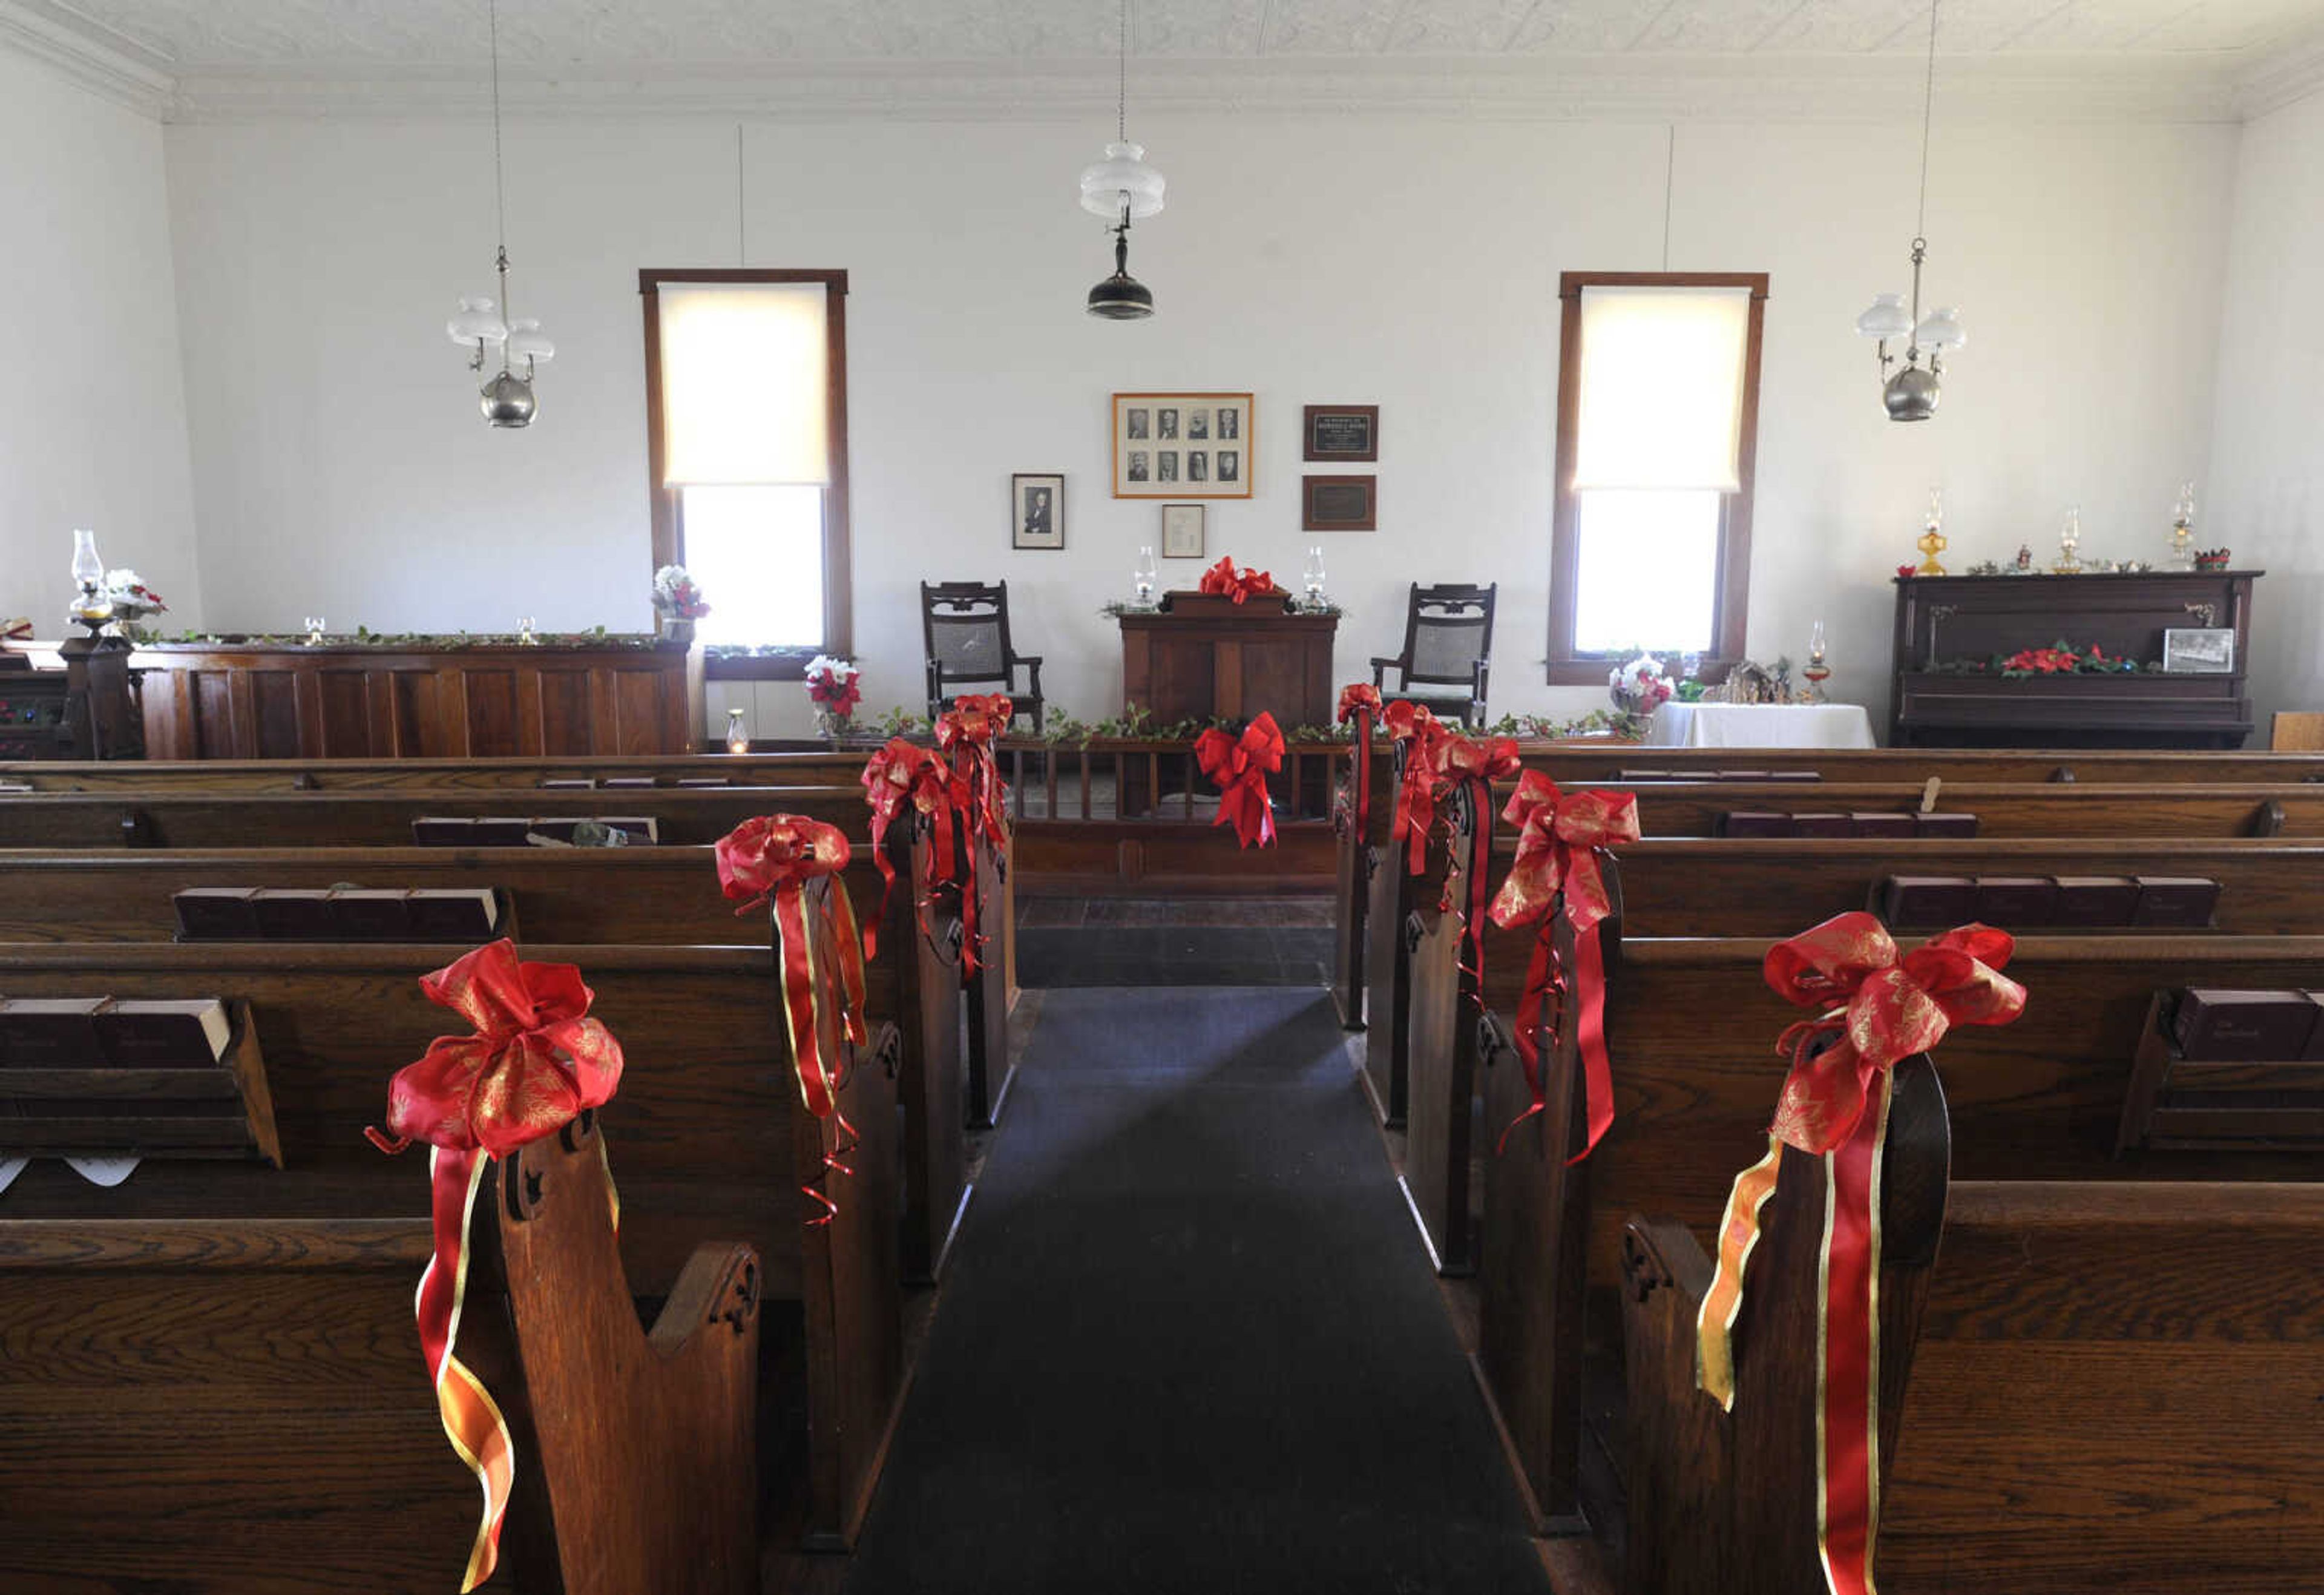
{"x":1657,"y":415}
{"x":746,"y":411}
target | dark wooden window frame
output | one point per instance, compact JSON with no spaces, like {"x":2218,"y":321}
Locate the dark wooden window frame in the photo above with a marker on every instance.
{"x":1568,"y":666}
{"x":669,"y":519}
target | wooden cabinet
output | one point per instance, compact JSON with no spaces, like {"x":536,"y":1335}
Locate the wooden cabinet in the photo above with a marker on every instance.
{"x":1201,"y":657}
{"x":341,"y":700}
{"x":1946,"y":620}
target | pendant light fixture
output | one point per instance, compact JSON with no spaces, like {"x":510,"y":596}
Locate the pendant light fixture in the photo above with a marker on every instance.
{"x":507,"y":397}
{"x":1122,"y":189}
{"x":1911,"y":394}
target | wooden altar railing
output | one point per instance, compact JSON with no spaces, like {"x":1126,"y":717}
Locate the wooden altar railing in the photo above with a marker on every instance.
{"x":1154,"y":780}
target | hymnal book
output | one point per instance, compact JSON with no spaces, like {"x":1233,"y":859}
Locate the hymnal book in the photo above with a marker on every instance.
{"x":1931,"y":824}
{"x":370,"y":914}
{"x":1739,"y":775}
{"x":1791,"y":775}
{"x":452,"y":914}
{"x":443,"y":831}
{"x":1873,"y":822}
{"x":1752,"y":821}
{"x":2314,"y":1050}
{"x":2011,"y":900}
{"x":2243,"y":1026}
{"x":1946,"y":900}
{"x":1823,"y":824}
{"x":498,"y":831}
{"x":2095,"y":899}
{"x":293,"y":914}
{"x":703,"y":780}
{"x":50,"y":1032}
{"x":2176,"y":900}
{"x":631,"y":782}
{"x":568,"y":783}
{"x":160,"y":1033}
{"x":216,"y":913}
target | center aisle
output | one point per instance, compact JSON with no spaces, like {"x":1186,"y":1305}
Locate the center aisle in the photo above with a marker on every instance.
{"x":1188,"y":1340}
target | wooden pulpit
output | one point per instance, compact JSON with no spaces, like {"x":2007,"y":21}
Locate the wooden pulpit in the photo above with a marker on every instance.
{"x":1202,"y":656}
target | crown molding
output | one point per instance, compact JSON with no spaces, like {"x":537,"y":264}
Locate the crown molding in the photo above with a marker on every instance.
{"x":106,"y":63}
{"x":2291,"y":72}
{"x":1856,"y":89}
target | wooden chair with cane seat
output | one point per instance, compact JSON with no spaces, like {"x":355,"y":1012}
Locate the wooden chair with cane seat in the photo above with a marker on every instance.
{"x":965,"y":625}
{"x":1448,"y":648}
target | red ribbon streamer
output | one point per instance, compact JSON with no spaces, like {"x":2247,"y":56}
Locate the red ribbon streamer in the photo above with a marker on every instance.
{"x":1416,"y":733}
{"x":969,"y":732}
{"x":1239,"y":765}
{"x":535,"y":1062}
{"x":1361,"y":704}
{"x":1878,"y":1009}
{"x":1472,"y":767}
{"x":1559,"y":836}
{"x":1223,"y":580}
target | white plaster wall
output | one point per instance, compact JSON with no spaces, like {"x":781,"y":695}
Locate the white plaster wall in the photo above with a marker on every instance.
{"x":92,"y":412}
{"x":2268,"y":445}
{"x":1413,"y":263}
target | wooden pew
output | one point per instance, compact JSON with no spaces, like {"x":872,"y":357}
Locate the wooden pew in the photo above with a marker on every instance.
{"x":227,"y":776}
{"x":571,"y":896}
{"x":1691,"y":1028}
{"x":239,"y":1405}
{"x":712,"y":1135}
{"x":2085,"y":1388}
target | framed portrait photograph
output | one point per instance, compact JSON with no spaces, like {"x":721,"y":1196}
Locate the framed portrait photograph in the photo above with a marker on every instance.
{"x":1183,"y":446}
{"x":1182,"y":531}
{"x":1339,"y":503}
{"x":1037,"y":510}
{"x":1341,"y":432}
{"x":2198,"y":650}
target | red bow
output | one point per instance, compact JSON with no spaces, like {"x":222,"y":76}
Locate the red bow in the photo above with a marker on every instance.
{"x":1879,"y":1010}
{"x":1558,"y":838}
{"x":1421,"y":735}
{"x":1240,"y":766}
{"x":1224,"y":579}
{"x":1360,"y":702}
{"x":1461,"y":764}
{"x":968,"y":732}
{"x":771,"y":859}
{"x":535,"y":1062}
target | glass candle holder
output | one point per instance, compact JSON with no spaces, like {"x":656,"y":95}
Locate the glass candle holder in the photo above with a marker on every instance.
{"x":738,"y":735}
{"x":1143,"y":579}
{"x":315,"y":630}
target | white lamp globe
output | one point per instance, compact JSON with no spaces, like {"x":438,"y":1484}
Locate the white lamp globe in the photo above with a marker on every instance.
{"x":477,"y":323}
{"x":525,"y":342}
{"x":1887,"y":318}
{"x":1941,"y":329}
{"x":1122,"y":172}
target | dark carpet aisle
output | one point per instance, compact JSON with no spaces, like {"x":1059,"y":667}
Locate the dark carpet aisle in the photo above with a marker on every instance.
{"x":1187,"y":1342}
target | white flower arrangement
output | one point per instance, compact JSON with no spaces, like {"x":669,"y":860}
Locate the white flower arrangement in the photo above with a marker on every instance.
{"x":131,"y":598}
{"x":676,"y":594}
{"x":1639,"y":687}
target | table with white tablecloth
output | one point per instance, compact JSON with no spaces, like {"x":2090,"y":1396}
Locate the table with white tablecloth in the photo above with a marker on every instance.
{"x":1760,"y":725}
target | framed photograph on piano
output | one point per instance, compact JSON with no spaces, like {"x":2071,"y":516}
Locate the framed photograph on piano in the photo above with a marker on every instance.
{"x":2198,"y":650}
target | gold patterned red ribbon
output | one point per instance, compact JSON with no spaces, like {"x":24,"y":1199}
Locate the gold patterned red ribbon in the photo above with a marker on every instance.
{"x":1463,"y":765}
{"x":1416,"y":733}
{"x":1556,"y":867}
{"x":1239,"y":766}
{"x":905,"y":775}
{"x":771,"y":860}
{"x":1223,"y":580}
{"x":1360,"y":702}
{"x":969,"y":732}
{"x":534,"y":1063}
{"x":1877,"y":1009}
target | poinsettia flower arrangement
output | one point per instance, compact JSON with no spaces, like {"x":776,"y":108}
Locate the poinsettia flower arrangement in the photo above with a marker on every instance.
{"x":833,"y":687}
{"x":1640,"y":686}
{"x":676,"y":595}
{"x":2063,"y":659}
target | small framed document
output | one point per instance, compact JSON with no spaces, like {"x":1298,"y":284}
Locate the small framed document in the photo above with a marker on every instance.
{"x":1342,"y":432}
{"x":1183,"y":446}
{"x":1036,"y":509}
{"x":1182,"y":531}
{"x":2199,"y":650}
{"x":1339,"y":503}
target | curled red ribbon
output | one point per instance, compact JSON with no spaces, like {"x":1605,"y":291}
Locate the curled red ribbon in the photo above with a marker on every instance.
{"x":1559,"y":836}
{"x":1878,"y":1009}
{"x":1360,"y":702}
{"x":1417,"y":734}
{"x":771,"y":859}
{"x":1223,"y":580}
{"x":534,"y":1063}
{"x":1239,"y":765}
{"x":969,"y":732}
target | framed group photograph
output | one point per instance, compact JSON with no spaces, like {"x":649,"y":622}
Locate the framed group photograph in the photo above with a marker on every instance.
{"x":1182,"y":531}
{"x":1339,"y":503}
{"x":1183,"y":446}
{"x":1037,"y":510}
{"x":2199,"y":650}
{"x":1341,"y":432}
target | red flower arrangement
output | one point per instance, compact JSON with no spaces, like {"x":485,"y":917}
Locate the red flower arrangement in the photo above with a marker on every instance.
{"x":2063,"y":660}
{"x":831,"y":687}
{"x":1225,"y":580}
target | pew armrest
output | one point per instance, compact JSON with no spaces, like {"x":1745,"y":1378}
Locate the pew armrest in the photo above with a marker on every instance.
{"x":717,"y":1294}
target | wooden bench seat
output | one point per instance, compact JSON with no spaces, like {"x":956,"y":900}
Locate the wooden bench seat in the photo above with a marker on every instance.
{"x":228,"y":775}
{"x":2085,"y":1388}
{"x":712,"y":1141}
{"x":231,"y":1406}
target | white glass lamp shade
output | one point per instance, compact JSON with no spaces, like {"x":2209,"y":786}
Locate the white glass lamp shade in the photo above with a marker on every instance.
{"x":1887,"y":318}
{"x":525,"y":342}
{"x":1941,"y":329}
{"x":477,"y":323}
{"x":87,"y":570}
{"x":1123,"y":171}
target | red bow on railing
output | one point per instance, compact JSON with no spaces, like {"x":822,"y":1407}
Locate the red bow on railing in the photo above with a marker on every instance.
{"x":1240,"y":766}
{"x":1361,"y":704}
{"x":1879,"y":1009}
{"x":1421,"y":735}
{"x":1225,"y":580}
{"x":771,"y":859}
{"x":1559,"y":835}
{"x":535,"y":1062}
